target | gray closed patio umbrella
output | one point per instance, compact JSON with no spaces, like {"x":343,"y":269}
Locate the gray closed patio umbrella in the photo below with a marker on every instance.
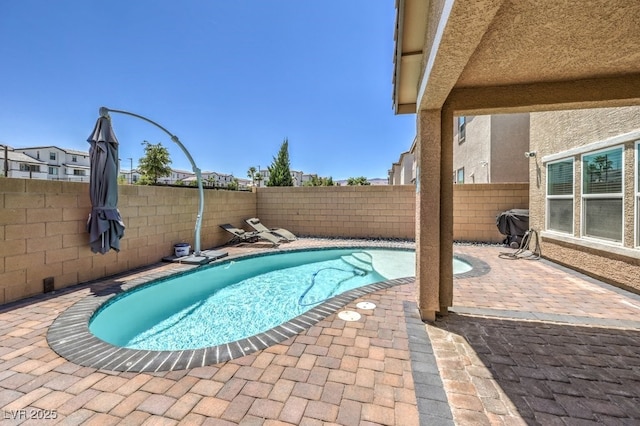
{"x":105,"y":225}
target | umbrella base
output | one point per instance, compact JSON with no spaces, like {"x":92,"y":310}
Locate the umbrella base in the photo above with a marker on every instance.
{"x":206,"y":256}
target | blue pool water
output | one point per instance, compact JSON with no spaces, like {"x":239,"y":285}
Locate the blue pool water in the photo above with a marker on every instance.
{"x":226,"y":302}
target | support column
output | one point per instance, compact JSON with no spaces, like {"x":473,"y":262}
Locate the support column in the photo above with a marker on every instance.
{"x":428,"y":213}
{"x":434,"y":213}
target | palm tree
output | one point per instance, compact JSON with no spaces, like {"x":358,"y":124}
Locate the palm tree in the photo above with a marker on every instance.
{"x":251,"y":174}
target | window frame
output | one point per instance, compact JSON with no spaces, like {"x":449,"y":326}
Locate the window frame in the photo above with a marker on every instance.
{"x":584,"y":197}
{"x":571,"y":197}
{"x":462,"y":128}
{"x":32,"y":168}
{"x":53,"y":156}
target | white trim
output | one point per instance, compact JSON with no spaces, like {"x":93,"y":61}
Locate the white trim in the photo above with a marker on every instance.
{"x":595,"y":146}
{"x":600,"y":245}
{"x":398,"y":53}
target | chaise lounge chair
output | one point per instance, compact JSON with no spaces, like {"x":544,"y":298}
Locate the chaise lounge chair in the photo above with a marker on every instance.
{"x":242,"y":236}
{"x":255,"y":223}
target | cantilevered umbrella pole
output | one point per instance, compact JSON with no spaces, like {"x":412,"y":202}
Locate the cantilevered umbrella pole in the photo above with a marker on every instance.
{"x":104,"y":112}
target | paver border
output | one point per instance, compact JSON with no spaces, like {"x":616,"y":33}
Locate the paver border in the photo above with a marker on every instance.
{"x":69,"y":335}
{"x":478,"y":267}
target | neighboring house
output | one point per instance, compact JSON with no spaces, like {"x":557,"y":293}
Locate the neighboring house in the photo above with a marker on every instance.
{"x":130,"y":176}
{"x":486,"y":149}
{"x":244,"y":183}
{"x":54,"y":163}
{"x":403,"y":172}
{"x":19,"y":165}
{"x":298,"y":177}
{"x":585,"y":190}
{"x":490,"y":148}
{"x":175,"y":176}
{"x":61,"y":164}
{"x":219,"y":180}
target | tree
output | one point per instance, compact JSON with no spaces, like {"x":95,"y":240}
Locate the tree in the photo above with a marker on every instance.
{"x":155,"y":163}
{"x":358,"y":181}
{"x":251,"y":174}
{"x":279,"y":171}
{"x":234,"y":184}
{"x":319,"y":181}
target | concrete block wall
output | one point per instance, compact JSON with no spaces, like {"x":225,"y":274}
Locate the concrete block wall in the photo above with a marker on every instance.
{"x":43,"y":230}
{"x":386,"y":211}
{"x":476,"y":207}
{"x":376,"y":211}
{"x":43,"y":223}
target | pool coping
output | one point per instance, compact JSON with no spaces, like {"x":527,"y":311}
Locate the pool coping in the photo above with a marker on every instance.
{"x":478,"y":267}
{"x":69,"y":335}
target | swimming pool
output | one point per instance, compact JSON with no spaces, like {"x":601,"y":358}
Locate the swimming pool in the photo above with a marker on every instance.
{"x":70,"y":335}
{"x":234,"y":300}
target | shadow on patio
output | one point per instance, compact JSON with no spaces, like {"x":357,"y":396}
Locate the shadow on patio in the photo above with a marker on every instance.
{"x":545,"y":373}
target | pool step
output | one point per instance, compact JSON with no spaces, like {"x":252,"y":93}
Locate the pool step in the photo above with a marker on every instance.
{"x":358,"y":260}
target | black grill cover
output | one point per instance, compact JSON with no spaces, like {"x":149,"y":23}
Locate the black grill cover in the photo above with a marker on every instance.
{"x":513,"y":223}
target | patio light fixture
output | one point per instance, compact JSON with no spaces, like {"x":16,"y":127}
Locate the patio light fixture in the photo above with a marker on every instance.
{"x":104,"y":112}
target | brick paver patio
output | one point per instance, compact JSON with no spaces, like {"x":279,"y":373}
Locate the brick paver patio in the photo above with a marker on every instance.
{"x":529,"y":342}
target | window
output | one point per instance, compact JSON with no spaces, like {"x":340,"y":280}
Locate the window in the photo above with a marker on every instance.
{"x":602,"y":194}
{"x":560,"y":196}
{"x":78,"y":172}
{"x":462,"y":126}
{"x":460,"y":176}
{"x":74,"y":158}
{"x":52,"y":156}
{"x":53,"y":171}
{"x":29,"y":167}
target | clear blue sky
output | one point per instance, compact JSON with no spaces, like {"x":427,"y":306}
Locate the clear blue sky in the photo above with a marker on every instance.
{"x":230,"y":78}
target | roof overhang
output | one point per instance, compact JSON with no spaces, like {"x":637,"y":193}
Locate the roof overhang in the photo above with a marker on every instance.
{"x":493,"y":56}
{"x":411,"y":25}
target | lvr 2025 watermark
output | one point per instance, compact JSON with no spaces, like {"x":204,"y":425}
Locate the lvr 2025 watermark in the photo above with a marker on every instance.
{"x":29,"y":413}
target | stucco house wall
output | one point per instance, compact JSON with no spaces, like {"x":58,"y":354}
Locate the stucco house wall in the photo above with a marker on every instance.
{"x":493,"y":148}
{"x":474,"y":153}
{"x":568,"y":135}
{"x":509,"y":142}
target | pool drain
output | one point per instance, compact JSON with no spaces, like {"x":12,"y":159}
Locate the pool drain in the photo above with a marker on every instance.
{"x":349,"y":315}
{"x":366,"y":305}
